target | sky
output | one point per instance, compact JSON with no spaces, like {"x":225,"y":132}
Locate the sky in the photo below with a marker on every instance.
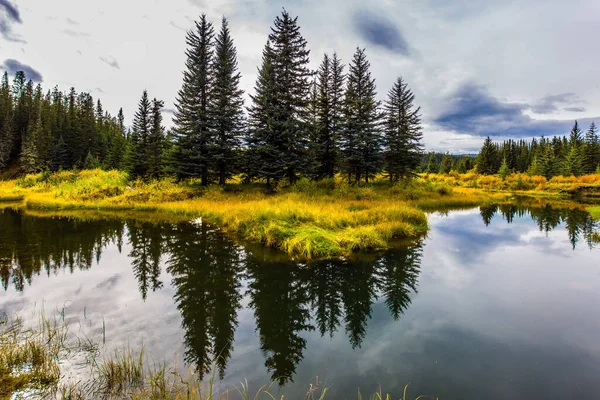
{"x":503,"y":68}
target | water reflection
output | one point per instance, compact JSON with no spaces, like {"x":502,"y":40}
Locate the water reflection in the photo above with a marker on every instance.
{"x":212,"y":276}
{"x":578,"y":223}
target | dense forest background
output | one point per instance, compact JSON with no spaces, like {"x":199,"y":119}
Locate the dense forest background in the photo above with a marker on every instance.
{"x":299,"y":123}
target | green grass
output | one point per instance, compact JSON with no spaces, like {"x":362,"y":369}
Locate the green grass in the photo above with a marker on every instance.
{"x":30,"y":360}
{"x":594,"y":211}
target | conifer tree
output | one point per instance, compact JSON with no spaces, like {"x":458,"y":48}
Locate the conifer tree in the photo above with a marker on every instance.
{"x":137,"y":152}
{"x":261,"y":153}
{"x":291,"y":88}
{"x":193,"y":119}
{"x":226,"y":107}
{"x":361,"y":138}
{"x":487,"y":158}
{"x":156,"y":139}
{"x":432,"y":167}
{"x":504,"y":170}
{"x":402,"y":133}
{"x":591,"y":157}
{"x":446,"y":165}
{"x":6,"y":118}
{"x":575,"y":137}
{"x":60,"y":156}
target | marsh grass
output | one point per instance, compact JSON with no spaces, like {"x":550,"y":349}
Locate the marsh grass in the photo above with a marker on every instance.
{"x":565,"y":185}
{"x":31,"y":360}
{"x":307,"y":220}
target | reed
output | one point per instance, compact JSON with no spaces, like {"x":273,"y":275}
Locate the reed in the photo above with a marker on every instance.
{"x":30,"y":360}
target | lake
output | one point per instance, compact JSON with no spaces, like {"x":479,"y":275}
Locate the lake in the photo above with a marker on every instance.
{"x":497,"y":302}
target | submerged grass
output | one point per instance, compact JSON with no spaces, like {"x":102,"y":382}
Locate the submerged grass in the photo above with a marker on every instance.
{"x":31,"y":359}
{"x":308,"y":220}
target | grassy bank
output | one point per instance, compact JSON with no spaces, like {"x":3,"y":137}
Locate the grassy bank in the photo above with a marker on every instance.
{"x":31,"y":359}
{"x":520,"y":183}
{"x":308,"y":220}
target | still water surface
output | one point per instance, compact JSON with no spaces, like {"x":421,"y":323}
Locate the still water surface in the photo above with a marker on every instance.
{"x":496,"y":303}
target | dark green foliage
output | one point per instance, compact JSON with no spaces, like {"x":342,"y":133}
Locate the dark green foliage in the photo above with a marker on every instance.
{"x":193,"y":119}
{"x":446,"y":164}
{"x":432,"y":166}
{"x":137,"y":161}
{"x":261,"y":154}
{"x":361,"y":137}
{"x":156,"y":139}
{"x":487,"y":160}
{"x":575,"y":155}
{"x":504,"y":170}
{"x":328,"y":120}
{"x":60,"y":156}
{"x":291,"y":86}
{"x":402,"y":134}
{"x":226,"y":107}
{"x":54,"y":130}
{"x":591,"y":152}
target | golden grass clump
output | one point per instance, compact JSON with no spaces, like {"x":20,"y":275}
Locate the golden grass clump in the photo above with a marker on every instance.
{"x":307,"y":220}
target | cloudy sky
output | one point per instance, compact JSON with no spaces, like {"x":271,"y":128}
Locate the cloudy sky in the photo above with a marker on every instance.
{"x":502,"y":68}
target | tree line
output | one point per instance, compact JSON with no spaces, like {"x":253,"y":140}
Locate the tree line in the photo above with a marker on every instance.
{"x":578,"y":154}
{"x":299,"y":123}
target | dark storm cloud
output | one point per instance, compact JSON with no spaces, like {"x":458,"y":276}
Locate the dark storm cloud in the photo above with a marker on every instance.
{"x":9,"y":14}
{"x":110,"y":61}
{"x":472,"y":109}
{"x":380,"y":31}
{"x":12,"y":66}
{"x":11,"y":11}
{"x":550,"y":104}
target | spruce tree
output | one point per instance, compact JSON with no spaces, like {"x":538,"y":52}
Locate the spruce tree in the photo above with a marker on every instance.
{"x":487,"y":158}
{"x":591,"y":157}
{"x":504,"y":170}
{"x":446,"y":165}
{"x":261,"y":153}
{"x":137,"y":152}
{"x":432,"y":167}
{"x":193,"y":119}
{"x":156,"y":139}
{"x":402,"y":132}
{"x":575,"y":137}
{"x":6,"y":117}
{"x":60,"y":156}
{"x":291,"y":86}
{"x":361,"y":138}
{"x":226,"y":107}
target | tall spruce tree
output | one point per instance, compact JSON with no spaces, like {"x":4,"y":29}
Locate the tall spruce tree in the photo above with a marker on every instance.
{"x":402,"y":133}
{"x":6,"y":119}
{"x":137,"y":152}
{"x":361,"y":138}
{"x":261,"y":153}
{"x":328,"y":103}
{"x":591,"y":157}
{"x":487,"y":160}
{"x":226,"y":107}
{"x":291,"y":86}
{"x":156,"y":140}
{"x":192,"y":118}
